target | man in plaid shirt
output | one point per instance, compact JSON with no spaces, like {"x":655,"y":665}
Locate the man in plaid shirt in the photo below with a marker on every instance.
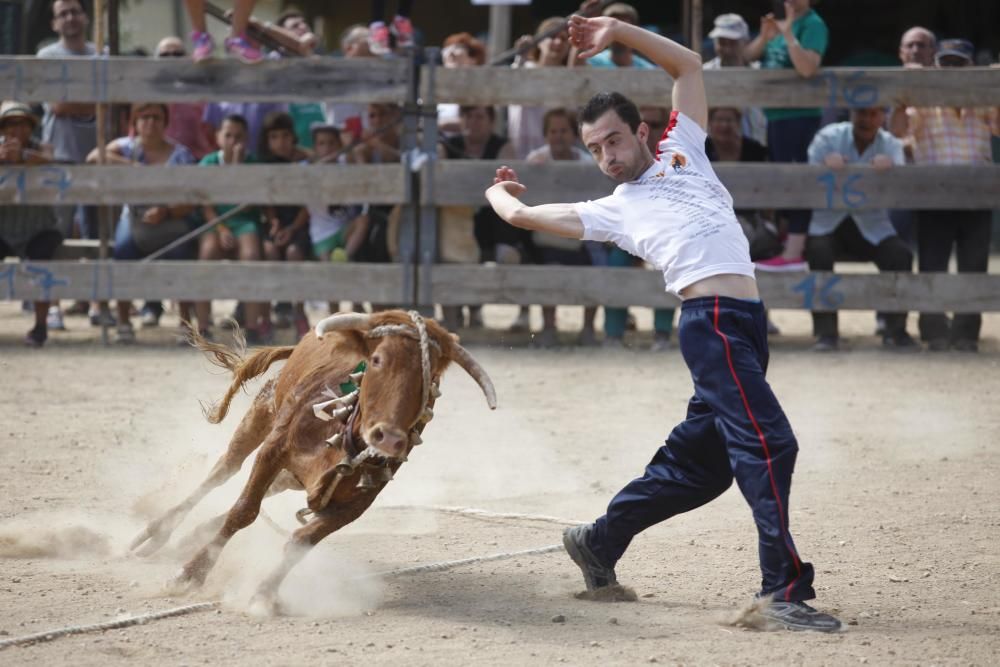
{"x":951,"y":136}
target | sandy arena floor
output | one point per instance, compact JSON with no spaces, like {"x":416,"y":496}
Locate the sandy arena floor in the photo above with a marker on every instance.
{"x":894,"y":501}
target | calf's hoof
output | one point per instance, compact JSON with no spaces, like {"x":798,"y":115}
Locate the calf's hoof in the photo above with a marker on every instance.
{"x":265,"y":605}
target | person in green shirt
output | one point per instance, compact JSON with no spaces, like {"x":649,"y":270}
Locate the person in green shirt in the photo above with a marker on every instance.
{"x":797,"y":42}
{"x":238,"y":235}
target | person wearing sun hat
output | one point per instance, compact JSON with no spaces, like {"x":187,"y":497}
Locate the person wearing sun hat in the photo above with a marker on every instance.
{"x":948,"y":136}
{"x":27,"y":232}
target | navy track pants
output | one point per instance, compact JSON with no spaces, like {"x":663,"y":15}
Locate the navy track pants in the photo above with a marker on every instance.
{"x":734,"y":428}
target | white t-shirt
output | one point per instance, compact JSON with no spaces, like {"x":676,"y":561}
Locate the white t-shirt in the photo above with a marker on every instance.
{"x":677,"y":216}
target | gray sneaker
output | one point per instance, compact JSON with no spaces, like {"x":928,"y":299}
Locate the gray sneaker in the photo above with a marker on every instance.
{"x":800,"y":616}
{"x":595,"y":574}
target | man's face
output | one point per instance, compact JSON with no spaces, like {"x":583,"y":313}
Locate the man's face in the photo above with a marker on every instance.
{"x":559,"y":135}
{"x":867,"y":122}
{"x":326,"y":144}
{"x":230,"y":134}
{"x":656,"y":119}
{"x":917,"y":48}
{"x":800,"y":6}
{"x":620,"y":153}
{"x":476,"y":123}
{"x":69,"y":21}
{"x":953,"y":61}
{"x":724,"y":126}
{"x":730,"y":51}
{"x":18,"y":128}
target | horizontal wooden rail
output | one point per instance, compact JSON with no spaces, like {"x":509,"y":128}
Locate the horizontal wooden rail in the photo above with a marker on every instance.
{"x":254,"y":184}
{"x":122,"y":79}
{"x":464,"y":181}
{"x":29,"y":79}
{"x":738,"y":87}
{"x":247,"y":281}
{"x":751,"y":185}
{"x":453,"y":284}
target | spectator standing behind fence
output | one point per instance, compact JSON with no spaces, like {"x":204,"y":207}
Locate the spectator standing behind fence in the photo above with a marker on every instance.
{"x":237,"y":44}
{"x":864,"y":234}
{"x":350,"y":116}
{"x":27,"y":232}
{"x":467,"y":234}
{"x":142,"y":230}
{"x":286,"y":228}
{"x":730,"y":36}
{"x":187,"y":119}
{"x":951,"y":136}
{"x":293,"y":24}
{"x":458,"y":50}
{"x":237,"y":236}
{"x":561,"y":137}
{"x":71,"y":129}
{"x":380,"y":144}
{"x":797,"y":42}
{"x":335,"y":231}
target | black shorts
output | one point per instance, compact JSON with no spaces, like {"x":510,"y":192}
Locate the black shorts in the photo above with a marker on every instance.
{"x":42,"y":246}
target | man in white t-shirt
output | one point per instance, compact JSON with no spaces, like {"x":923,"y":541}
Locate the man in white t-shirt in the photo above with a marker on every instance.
{"x":672,"y":211}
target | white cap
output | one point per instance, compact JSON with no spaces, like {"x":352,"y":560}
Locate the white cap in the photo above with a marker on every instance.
{"x":730,"y":26}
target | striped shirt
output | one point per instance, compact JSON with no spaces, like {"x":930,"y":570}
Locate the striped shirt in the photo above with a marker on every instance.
{"x":945,"y":135}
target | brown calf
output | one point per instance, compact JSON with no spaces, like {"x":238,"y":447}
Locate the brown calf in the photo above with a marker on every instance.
{"x":337,"y":421}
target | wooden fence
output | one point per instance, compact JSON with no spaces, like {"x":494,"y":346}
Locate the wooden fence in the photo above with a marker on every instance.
{"x":421,"y":183}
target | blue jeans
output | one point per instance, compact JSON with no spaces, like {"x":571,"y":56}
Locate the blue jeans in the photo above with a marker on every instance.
{"x":734,"y":428}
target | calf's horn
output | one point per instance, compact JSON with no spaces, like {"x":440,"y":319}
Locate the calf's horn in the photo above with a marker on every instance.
{"x":462,"y":357}
{"x":342,"y":322}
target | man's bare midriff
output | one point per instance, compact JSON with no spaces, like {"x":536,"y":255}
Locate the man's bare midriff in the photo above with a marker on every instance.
{"x":726,"y":284}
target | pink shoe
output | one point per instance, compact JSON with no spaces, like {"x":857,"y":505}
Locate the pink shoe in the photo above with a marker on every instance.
{"x":243,"y":49}
{"x":378,"y":38}
{"x":204,"y":46}
{"x":301,"y":327}
{"x":781,"y":264}
{"x":403,"y":30}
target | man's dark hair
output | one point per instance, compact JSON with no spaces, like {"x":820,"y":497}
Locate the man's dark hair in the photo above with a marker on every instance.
{"x":52,"y":6}
{"x":601,"y":103}
{"x":468,"y":108}
{"x":237,"y":119}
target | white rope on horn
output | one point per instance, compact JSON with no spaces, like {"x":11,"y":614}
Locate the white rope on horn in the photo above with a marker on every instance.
{"x":425,"y":355}
{"x":49,"y":635}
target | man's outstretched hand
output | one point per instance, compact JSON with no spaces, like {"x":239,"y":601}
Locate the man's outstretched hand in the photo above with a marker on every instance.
{"x":506,"y":178}
{"x":590,"y":36}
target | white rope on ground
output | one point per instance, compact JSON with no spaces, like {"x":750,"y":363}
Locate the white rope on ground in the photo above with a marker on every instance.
{"x":49,"y":635}
{"x":441,"y":566}
{"x":451,"y":564}
{"x":485,"y":514}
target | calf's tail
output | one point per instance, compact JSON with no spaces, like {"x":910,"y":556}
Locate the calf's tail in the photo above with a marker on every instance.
{"x":235,"y":360}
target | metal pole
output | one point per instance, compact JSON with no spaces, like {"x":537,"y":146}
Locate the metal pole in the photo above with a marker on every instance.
{"x":696,"y":25}
{"x":499,"y":30}
{"x":101,"y":118}
{"x":428,"y":210}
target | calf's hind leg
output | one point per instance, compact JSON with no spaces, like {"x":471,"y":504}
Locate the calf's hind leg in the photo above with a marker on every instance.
{"x":249,"y":434}
{"x":265,"y":468}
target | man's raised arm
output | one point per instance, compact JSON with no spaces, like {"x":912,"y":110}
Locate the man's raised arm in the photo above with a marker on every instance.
{"x":593,"y":35}
{"x":558,"y":219}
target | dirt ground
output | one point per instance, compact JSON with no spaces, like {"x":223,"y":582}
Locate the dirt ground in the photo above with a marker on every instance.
{"x":894,"y":501}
